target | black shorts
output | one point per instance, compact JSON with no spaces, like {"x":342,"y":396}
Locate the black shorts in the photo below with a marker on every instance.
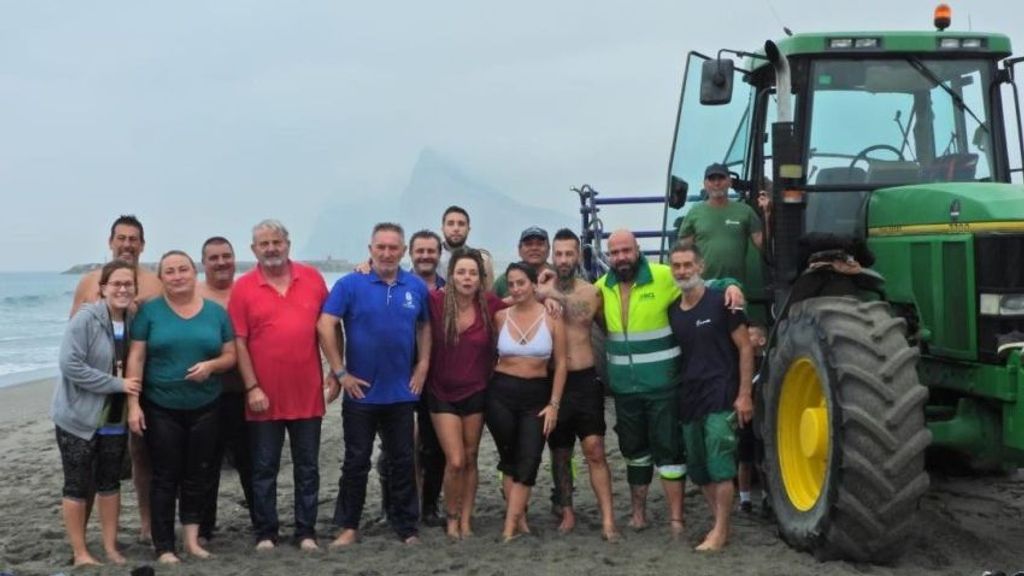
{"x":472,"y":404}
{"x":749,"y":445}
{"x":581,"y":411}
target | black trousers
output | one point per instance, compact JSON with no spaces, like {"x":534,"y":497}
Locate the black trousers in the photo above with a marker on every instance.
{"x":233,"y":440}
{"x":182,"y":446}
{"x":360,"y":424}
{"x":432,"y":462}
{"x":513,"y":405}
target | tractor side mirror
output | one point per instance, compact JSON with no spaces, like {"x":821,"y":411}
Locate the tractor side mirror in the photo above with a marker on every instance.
{"x":677,"y":192}
{"x":716,"y":82}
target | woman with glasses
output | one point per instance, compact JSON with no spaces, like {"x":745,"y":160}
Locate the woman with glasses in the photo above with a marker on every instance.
{"x":181,"y":343}
{"x":89,"y":410}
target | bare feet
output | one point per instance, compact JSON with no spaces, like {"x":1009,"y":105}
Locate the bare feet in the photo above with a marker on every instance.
{"x":347,"y":538}
{"x":86,"y":559}
{"x":506,"y":538}
{"x":610,"y":534}
{"x":638,"y":521}
{"x":168,"y":558}
{"x":264,"y":545}
{"x":465,"y":528}
{"x":413,"y":540}
{"x":115,"y":557}
{"x":713,"y":542}
{"x":197,"y":551}
{"x":677,"y":527}
{"x":568,"y":520}
{"x":308,"y":545}
{"x":521,"y":526}
{"x":452,"y":529}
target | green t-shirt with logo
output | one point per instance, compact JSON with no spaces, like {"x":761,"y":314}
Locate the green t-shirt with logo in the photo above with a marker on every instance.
{"x":722,"y":233}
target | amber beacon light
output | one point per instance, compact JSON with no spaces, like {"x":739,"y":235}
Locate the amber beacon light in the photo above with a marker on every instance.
{"x":943,"y":16}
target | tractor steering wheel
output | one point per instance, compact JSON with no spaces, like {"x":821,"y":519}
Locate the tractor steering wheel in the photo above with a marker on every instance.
{"x":863,"y":154}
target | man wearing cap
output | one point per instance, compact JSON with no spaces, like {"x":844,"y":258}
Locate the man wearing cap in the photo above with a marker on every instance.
{"x":534,"y":249}
{"x":720,"y":227}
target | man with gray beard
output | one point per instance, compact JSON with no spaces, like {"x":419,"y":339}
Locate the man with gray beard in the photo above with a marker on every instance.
{"x":715,"y":395}
{"x":274,"y":309}
{"x":720,"y":228}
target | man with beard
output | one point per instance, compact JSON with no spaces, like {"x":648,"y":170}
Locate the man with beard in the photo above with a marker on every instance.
{"x":643,"y":369}
{"x":455,"y":229}
{"x":126,"y":242}
{"x":715,"y":396}
{"x":534,"y":249}
{"x":720,"y":228}
{"x":274,"y":309}
{"x":219,"y":271}
{"x":582,"y":408}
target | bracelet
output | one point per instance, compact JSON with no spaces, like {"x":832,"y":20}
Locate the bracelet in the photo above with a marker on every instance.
{"x":554,"y":404}
{"x":251,"y":388}
{"x":340,"y":373}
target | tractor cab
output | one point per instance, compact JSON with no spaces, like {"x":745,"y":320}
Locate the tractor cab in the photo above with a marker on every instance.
{"x":897,"y":324}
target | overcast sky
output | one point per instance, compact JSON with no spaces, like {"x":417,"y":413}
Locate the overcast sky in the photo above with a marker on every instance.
{"x":205,"y":117}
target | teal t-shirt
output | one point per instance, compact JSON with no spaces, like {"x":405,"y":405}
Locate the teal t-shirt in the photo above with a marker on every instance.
{"x":173,"y":345}
{"x":722,"y":234}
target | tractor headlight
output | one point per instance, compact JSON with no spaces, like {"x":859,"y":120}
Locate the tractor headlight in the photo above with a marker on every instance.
{"x":1002,"y":304}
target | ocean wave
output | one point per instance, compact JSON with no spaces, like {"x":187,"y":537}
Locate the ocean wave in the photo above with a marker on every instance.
{"x":34,"y":299}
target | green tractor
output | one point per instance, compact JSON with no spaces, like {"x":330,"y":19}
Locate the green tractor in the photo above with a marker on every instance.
{"x":888,"y":147}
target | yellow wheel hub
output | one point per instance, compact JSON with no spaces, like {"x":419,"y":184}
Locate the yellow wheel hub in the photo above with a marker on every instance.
{"x":802,"y":434}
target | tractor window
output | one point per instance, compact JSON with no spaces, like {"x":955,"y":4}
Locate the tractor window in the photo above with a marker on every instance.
{"x":708,"y":134}
{"x":899,"y":121}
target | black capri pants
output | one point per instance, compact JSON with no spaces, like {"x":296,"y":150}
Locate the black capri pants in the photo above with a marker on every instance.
{"x":91,"y":463}
{"x":513,"y":405}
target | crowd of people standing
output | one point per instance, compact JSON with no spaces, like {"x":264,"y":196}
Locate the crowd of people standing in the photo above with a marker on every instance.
{"x":175,"y":371}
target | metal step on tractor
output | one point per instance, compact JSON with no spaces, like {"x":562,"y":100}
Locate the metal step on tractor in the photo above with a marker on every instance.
{"x":892,"y":274}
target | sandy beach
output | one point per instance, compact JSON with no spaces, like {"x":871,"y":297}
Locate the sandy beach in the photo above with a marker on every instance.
{"x":965,"y":526}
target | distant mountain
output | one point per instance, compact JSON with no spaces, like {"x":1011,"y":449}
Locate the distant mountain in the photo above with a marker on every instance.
{"x":435,"y":183}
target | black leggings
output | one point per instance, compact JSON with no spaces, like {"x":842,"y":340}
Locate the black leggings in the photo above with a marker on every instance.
{"x":182,"y":447}
{"x":91,"y":463}
{"x":513,"y":405}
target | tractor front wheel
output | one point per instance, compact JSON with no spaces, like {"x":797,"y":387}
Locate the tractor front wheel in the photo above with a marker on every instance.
{"x":844,"y":430}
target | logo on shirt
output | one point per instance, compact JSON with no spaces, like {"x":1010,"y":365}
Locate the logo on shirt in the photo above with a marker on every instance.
{"x":647,"y":296}
{"x":703,"y":322}
{"x":409,"y":303}
{"x":729,"y":222}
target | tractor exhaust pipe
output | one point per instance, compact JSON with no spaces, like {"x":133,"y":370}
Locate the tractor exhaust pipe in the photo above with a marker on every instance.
{"x":783,"y":82}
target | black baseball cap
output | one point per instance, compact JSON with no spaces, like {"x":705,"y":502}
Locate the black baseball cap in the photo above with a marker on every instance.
{"x":533,"y":232}
{"x":716,"y":169}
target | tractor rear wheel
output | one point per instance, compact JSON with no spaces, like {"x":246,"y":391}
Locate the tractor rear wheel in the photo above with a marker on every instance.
{"x":844,"y":430}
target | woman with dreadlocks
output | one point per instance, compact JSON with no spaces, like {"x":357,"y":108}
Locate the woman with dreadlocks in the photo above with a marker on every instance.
{"x":462,"y":358}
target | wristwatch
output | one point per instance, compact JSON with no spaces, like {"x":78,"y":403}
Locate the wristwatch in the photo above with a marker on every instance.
{"x":340,"y":373}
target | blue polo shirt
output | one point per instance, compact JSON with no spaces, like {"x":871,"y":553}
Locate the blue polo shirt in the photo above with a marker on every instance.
{"x":380,"y":331}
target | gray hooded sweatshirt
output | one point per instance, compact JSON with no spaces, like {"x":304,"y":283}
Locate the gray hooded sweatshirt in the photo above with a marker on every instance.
{"x":86,"y":366}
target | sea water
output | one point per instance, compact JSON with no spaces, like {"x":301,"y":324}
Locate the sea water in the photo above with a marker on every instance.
{"x":34,"y":309}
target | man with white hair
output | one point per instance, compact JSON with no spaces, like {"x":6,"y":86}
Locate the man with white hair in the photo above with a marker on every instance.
{"x":274,"y":309}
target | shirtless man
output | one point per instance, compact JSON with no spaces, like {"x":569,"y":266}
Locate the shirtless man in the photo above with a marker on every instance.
{"x":126,"y":243}
{"x":582,"y":413}
{"x":219,"y":279}
{"x":127,"y":239}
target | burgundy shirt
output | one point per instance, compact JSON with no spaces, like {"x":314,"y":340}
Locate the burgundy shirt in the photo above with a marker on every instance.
{"x":457,"y":372}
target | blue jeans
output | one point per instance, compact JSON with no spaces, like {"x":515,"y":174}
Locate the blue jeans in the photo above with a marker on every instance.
{"x":360,"y":424}
{"x":266,"y":440}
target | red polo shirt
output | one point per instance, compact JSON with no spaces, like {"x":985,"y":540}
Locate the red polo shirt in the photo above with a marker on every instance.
{"x":280,"y":333}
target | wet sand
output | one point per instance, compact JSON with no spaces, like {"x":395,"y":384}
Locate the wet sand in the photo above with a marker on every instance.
{"x":965,"y":526}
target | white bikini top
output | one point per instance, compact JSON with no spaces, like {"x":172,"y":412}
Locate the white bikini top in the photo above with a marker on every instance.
{"x":539,"y":346}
